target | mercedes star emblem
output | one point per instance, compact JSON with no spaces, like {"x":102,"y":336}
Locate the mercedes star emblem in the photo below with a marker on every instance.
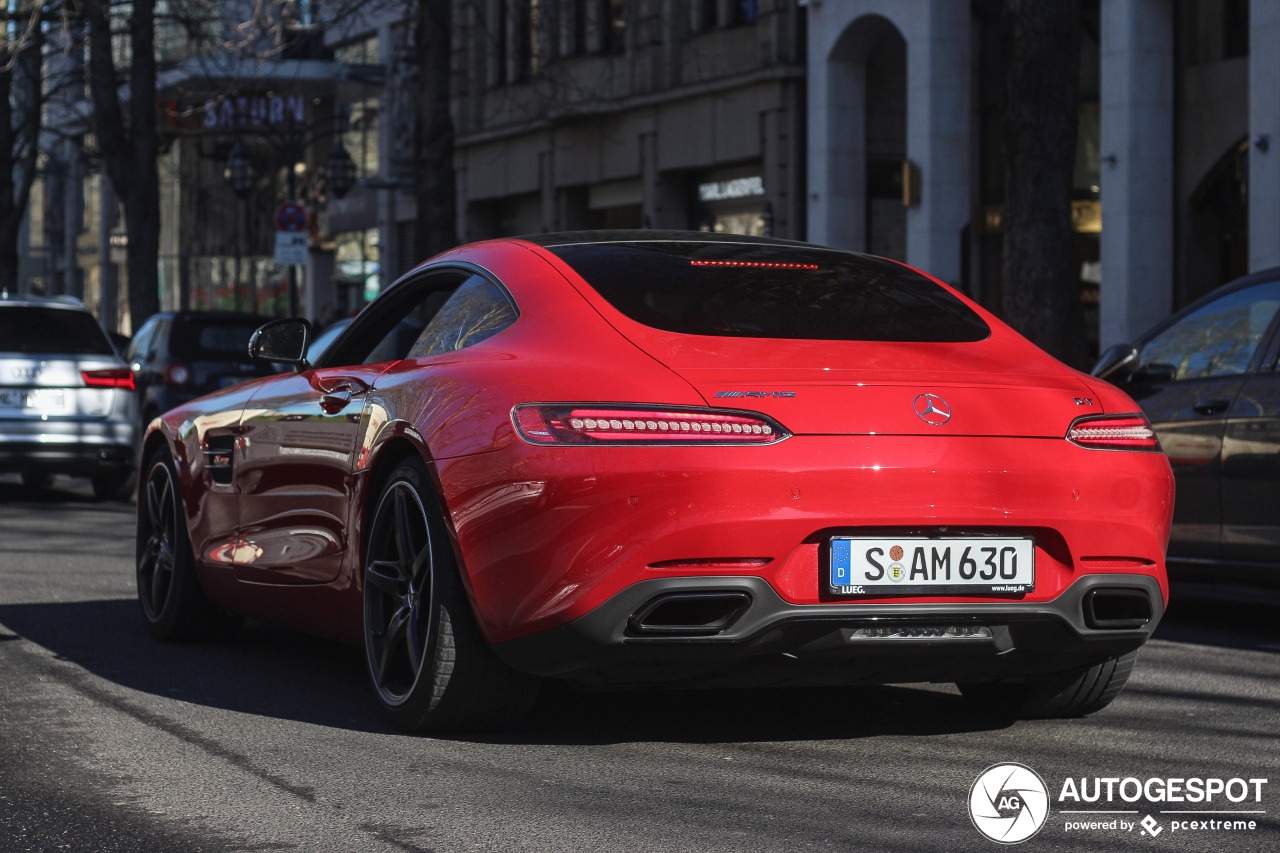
{"x":932,"y":409}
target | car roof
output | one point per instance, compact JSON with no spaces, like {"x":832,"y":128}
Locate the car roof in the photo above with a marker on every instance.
{"x":212,"y":315}
{"x":571,"y":238}
{"x":68,"y":303}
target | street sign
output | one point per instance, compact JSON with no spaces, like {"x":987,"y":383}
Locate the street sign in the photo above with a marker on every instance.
{"x":291,"y":216}
{"x":291,"y":248}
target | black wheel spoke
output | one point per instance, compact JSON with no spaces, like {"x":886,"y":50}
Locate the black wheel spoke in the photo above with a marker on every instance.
{"x":386,"y":576}
{"x":403,"y":529}
{"x":157,"y":560}
{"x":413,"y":639}
{"x":395,"y":636}
{"x":155,"y":502}
{"x":397,"y":593}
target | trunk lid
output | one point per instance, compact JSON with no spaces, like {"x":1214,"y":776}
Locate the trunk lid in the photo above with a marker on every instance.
{"x":882,"y":388}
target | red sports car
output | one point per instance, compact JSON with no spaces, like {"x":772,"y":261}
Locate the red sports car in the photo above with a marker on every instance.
{"x":665,"y":458}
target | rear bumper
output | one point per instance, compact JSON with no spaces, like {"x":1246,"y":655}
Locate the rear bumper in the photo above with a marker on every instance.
{"x":548,"y":535}
{"x":83,"y":447}
{"x":771,"y":641}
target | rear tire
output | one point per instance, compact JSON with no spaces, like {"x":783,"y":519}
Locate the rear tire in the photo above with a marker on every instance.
{"x":173,"y":604}
{"x":1069,"y":694}
{"x":430,"y":667}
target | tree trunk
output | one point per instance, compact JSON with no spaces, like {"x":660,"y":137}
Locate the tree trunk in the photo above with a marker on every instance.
{"x":1042,"y":59}
{"x":433,"y":177}
{"x":10,"y":217}
{"x":129,"y":149}
{"x":21,"y":99}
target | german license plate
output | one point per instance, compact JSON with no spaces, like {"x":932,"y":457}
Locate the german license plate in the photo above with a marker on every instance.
{"x":905,"y":565}
{"x":38,"y":398}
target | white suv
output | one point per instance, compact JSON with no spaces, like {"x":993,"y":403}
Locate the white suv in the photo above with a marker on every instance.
{"x":67,"y":399}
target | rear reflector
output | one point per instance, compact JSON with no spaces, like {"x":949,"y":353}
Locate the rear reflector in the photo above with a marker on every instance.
{"x":923,"y":632}
{"x":121,"y":377}
{"x":714,"y":563}
{"x":580,"y":424}
{"x":1114,"y":432}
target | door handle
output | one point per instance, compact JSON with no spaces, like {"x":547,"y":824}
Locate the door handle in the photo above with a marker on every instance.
{"x":336,"y":394}
{"x":1211,"y":407}
{"x":335,"y":401}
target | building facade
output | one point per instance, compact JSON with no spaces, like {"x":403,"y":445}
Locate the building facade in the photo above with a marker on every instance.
{"x":865,"y":124}
{"x":1177,"y":180}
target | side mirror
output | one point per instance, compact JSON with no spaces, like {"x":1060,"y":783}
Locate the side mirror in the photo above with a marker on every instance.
{"x":1116,"y":363}
{"x":282,"y":341}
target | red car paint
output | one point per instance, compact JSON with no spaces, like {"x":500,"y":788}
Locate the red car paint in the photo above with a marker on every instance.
{"x":545,"y":534}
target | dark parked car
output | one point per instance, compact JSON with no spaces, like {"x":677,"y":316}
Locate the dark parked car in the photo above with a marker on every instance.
{"x":178,"y":356}
{"x":67,"y":403}
{"x":1208,"y":380}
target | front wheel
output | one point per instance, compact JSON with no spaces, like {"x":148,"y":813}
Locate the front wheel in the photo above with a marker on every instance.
{"x":173,"y":604}
{"x":1068,"y":694}
{"x":429,"y":664}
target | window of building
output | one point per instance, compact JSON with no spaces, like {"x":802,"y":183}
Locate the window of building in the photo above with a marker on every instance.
{"x":711,"y":14}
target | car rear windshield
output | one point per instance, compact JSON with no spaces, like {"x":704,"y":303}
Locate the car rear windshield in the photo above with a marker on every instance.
{"x":213,"y":338}
{"x":771,"y":291}
{"x":52,"y":331}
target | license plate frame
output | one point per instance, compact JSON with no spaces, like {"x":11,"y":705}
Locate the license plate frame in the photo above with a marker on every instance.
{"x":996,"y":565}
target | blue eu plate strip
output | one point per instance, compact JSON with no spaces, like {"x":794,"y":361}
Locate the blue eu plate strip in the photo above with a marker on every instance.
{"x":841,"y":562}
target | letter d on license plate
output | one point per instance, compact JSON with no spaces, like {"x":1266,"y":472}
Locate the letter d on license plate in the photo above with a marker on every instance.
{"x":905,"y":565}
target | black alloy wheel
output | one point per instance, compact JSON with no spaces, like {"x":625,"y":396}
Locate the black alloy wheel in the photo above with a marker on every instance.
{"x":173,"y":604}
{"x":428,"y":663}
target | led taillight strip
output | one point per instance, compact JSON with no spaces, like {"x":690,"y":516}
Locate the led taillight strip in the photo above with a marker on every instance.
{"x":121,"y":377}
{"x":1114,"y":432}
{"x":580,"y":424}
{"x":755,"y":264}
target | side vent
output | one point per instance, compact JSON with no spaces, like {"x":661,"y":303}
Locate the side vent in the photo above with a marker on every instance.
{"x":219,"y":455}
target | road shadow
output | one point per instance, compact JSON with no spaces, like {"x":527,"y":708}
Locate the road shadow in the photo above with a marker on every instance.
{"x":1234,"y":617}
{"x":263,"y":670}
{"x":64,"y":490}
{"x":279,"y":673}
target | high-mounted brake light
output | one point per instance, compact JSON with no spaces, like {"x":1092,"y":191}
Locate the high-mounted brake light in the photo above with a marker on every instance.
{"x":773,"y":265}
{"x":568,"y":423}
{"x":1114,"y":432}
{"x":117,"y":377}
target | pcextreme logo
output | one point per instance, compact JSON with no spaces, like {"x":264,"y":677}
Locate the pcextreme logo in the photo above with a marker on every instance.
{"x":1009,"y":803}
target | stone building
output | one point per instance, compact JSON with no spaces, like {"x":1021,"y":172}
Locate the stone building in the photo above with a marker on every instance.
{"x":1177,"y":185}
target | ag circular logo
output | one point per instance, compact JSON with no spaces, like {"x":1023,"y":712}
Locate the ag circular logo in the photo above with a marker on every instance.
{"x":1008,"y":803}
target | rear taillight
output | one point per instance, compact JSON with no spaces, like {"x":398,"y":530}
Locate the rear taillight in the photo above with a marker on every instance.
{"x":118,"y":377}
{"x":568,"y":423}
{"x":177,"y":374}
{"x":1113,"y":432}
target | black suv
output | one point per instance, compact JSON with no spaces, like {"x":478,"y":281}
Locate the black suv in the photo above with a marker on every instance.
{"x":177,"y":356}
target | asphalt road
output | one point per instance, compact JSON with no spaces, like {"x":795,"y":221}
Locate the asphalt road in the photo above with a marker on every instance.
{"x":110,"y":741}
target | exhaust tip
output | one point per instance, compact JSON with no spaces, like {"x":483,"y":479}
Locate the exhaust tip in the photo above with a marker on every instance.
{"x":1117,"y":608}
{"x":690,"y":614}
